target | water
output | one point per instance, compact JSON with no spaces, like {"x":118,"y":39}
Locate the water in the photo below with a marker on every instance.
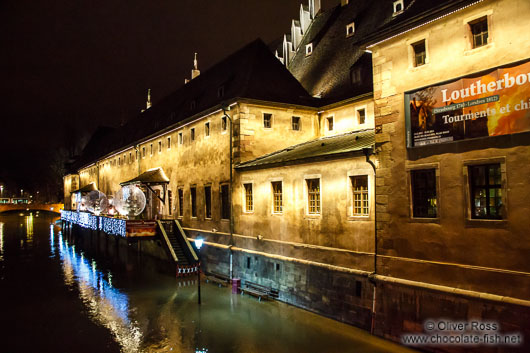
{"x":56,"y":298}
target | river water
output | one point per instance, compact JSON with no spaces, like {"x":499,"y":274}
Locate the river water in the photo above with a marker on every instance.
{"x":57,"y":298}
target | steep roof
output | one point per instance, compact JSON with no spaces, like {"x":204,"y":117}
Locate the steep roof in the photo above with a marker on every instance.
{"x":252,"y":72}
{"x":324,"y":148}
{"x":327,"y":72}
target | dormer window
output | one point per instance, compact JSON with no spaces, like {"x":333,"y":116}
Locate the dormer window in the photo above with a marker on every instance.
{"x":308,"y":49}
{"x":350,"y":29}
{"x":221,"y":92}
{"x":398,"y":7}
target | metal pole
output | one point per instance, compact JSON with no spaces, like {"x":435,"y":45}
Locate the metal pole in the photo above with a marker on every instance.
{"x":199,"y":280}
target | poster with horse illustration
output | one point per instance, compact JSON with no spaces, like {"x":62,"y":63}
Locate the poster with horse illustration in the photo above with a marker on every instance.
{"x":490,"y":103}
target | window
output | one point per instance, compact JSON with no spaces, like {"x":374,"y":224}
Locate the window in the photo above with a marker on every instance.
{"x":193,"y":195}
{"x":208,"y":201}
{"x":225,"y":202}
{"x":330,"y":123}
{"x":223,"y":123}
{"x":360,"y":195}
{"x":130,"y":157}
{"x":313,"y":196}
{"x":248,"y":262}
{"x":169,"y":142}
{"x":249,"y":201}
{"x":143,"y":152}
{"x":170,"y":201}
{"x":308,"y":49}
{"x":267,"y":120}
{"x":192,"y":134}
{"x":419,"y":53}
{"x":277,"y":197}
{"x":207,"y":129}
{"x":398,"y":7}
{"x":350,"y":29}
{"x":181,"y":138}
{"x":151,"y":148}
{"x":119,"y":161}
{"x":159,"y":146}
{"x":361,"y":116}
{"x":424,"y":201}
{"x":136,"y":153}
{"x":295,"y":123}
{"x":180,"y":192}
{"x":479,"y":32}
{"x":486,"y":191}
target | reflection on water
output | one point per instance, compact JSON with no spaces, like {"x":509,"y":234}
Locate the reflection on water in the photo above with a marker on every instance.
{"x":106,"y":304}
{"x":29,"y":228}
{"x":1,"y":241}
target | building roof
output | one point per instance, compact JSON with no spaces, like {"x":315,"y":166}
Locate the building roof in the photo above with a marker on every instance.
{"x":154,"y":176}
{"x":87,"y":188}
{"x":324,"y":148}
{"x":415,"y":13}
{"x":327,"y":72}
{"x":252,"y":72}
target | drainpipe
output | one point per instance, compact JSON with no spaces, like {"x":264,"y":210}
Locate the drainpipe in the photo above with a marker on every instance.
{"x":137,"y":151}
{"x":226,"y":108}
{"x":367,"y":153}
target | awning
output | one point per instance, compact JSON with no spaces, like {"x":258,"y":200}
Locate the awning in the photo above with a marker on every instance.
{"x":154,"y":176}
{"x":86,"y":188}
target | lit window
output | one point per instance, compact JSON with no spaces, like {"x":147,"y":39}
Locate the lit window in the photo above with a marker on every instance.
{"x":313,"y":196}
{"x":361,"y":116}
{"x":249,"y":201}
{"x":192,"y":134}
{"x":207,"y":129}
{"x":169,"y":142}
{"x":350,"y":29}
{"x":277,"y":197}
{"x":181,"y":201}
{"x":193,"y":195}
{"x":208,"y":201}
{"x":479,"y":32}
{"x":330,"y":123}
{"x":181,"y":138}
{"x":419,"y":53}
{"x":360,"y":195}
{"x":225,"y":201}
{"x":223,"y":123}
{"x":267,"y":120}
{"x":486,"y":191}
{"x":424,"y":201}
{"x":308,"y":49}
{"x":295,"y":123}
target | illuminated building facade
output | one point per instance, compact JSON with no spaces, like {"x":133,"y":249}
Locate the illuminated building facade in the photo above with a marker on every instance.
{"x":438,"y":213}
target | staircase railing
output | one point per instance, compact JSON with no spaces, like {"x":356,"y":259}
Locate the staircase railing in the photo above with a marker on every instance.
{"x":168,"y":243}
{"x":185,"y":240}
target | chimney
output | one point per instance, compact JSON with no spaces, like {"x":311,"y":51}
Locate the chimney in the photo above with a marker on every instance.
{"x":148,"y":103}
{"x":195,"y":72}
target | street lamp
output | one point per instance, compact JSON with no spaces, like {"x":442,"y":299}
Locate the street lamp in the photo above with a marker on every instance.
{"x":198,"y":245}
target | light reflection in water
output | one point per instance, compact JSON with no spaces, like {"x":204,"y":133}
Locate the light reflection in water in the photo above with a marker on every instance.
{"x":106,"y":304}
{"x":52,"y":240}
{"x":29,"y":228}
{"x":1,"y":241}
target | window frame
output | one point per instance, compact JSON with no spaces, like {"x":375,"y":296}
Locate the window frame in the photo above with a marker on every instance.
{"x":365,"y":197}
{"x":412,"y":167}
{"x":270,"y":116}
{"x":192,"y":134}
{"x":328,"y":119}
{"x":168,"y":142}
{"x":248,"y":198}
{"x":180,"y":138}
{"x":471,"y":25}
{"x":274,"y":194}
{"x":470,"y":221}
{"x":357,"y":110}
{"x":416,"y":54}
{"x":207,"y":205}
{"x":308,"y":194}
{"x":180,"y":196}
{"x":222,"y":206}
{"x":299,"y":123}
{"x":207,"y":129}
{"x":350,"y":26}
{"x":193,"y":201}
{"x":159,"y":146}
{"x":308,"y":49}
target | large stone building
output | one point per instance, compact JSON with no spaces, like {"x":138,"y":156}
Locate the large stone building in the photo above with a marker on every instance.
{"x":378,"y":163}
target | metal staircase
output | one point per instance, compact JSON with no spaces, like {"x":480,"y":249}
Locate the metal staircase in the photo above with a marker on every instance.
{"x":179,"y":247}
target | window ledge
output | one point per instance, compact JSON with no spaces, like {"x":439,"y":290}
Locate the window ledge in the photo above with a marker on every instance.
{"x":424,"y":220}
{"x":312,"y":216}
{"x":276,"y":214}
{"x":360,"y":218}
{"x":418,"y":68}
{"x":486,"y":223}
{"x":480,"y":49}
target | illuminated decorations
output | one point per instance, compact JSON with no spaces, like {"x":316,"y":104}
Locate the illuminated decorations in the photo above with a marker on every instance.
{"x":129,"y":201}
{"x":86,"y":220}
{"x":112,"y":226}
{"x":96,"y":202}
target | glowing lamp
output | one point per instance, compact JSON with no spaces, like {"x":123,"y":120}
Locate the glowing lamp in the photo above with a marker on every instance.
{"x":198,"y":243}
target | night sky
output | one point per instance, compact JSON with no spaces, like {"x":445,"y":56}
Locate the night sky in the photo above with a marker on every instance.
{"x":70,"y":66}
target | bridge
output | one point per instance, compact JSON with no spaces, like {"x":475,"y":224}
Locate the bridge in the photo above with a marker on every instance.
{"x":48,"y":207}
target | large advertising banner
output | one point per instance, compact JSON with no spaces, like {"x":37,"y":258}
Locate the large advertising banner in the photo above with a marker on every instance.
{"x":487,"y":104}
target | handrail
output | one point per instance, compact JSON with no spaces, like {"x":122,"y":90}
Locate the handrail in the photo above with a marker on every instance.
{"x":183,"y":236}
{"x":164,"y":234}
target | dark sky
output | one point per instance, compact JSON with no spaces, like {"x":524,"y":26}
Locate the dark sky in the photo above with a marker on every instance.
{"x":68,"y":66}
